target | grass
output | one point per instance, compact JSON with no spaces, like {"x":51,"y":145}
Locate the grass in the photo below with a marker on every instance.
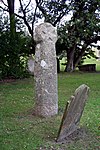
{"x":19,"y":130}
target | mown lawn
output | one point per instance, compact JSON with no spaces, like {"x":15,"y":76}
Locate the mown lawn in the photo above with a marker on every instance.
{"x":20,"y":130}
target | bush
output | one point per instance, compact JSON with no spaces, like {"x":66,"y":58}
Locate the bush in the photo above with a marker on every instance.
{"x":11,"y":54}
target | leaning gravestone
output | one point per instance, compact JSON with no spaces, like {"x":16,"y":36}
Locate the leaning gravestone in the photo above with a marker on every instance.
{"x":73,"y":113}
{"x":45,"y":71}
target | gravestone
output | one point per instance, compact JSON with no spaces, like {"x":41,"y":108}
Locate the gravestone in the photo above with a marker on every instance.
{"x":73,"y":113}
{"x":45,"y":71}
{"x":30,"y":65}
{"x":87,"y":67}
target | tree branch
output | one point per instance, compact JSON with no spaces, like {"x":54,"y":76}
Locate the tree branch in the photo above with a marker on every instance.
{"x":81,"y":54}
{"x":19,"y":16}
{"x":86,"y":44}
{"x":41,"y":8}
{"x":4,"y":9}
{"x":93,"y":40}
{"x":27,"y":5}
{"x":60,"y":17}
{"x":21,"y":7}
{"x":24,"y":18}
{"x":4,"y":3}
{"x":34,"y":18}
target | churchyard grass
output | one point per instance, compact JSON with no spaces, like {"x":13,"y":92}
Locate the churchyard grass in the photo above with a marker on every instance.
{"x":20,"y":130}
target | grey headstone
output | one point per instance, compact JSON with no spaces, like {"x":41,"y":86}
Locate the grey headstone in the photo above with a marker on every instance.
{"x":73,"y":112}
{"x":30,"y":64}
{"x":45,"y":71}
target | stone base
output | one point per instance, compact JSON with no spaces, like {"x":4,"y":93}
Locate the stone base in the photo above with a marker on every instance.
{"x":45,"y":111}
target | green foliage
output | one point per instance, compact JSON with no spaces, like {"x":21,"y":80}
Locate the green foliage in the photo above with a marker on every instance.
{"x":78,"y":35}
{"x":11,"y":51}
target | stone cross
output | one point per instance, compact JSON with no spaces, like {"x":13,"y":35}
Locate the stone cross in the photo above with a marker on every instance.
{"x":73,"y":113}
{"x":45,"y":71}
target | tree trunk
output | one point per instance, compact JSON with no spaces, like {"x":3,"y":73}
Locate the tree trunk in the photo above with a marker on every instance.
{"x":70,"y":60}
{"x":13,"y":63}
{"x":12,"y":18}
{"x":69,"y":66}
{"x":58,"y":65}
{"x":80,"y":55}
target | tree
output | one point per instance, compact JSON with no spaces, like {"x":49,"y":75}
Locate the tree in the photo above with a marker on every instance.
{"x":53,"y":10}
{"x":9,"y":7}
{"x":29,"y":18}
{"x":13,"y":47}
{"x":16,"y":18}
{"x":13,"y":63}
{"x":78,"y":35}
{"x":12,"y":18}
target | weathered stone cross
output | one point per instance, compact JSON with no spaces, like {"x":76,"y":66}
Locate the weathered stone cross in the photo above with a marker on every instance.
{"x":45,"y":71}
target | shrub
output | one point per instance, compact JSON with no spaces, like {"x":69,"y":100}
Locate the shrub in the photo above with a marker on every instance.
{"x":11,"y":64}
